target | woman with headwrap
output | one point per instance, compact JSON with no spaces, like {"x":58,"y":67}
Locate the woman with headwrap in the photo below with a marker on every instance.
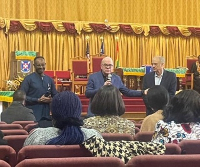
{"x":66,"y":113}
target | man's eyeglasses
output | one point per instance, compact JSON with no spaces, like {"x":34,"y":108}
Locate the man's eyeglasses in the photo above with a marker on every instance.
{"x":107,"y":65}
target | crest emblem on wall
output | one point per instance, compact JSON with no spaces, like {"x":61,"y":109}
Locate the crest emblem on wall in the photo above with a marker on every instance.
{"x":25,"y":66}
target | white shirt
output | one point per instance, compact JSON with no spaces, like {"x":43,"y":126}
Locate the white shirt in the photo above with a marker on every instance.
{"x":158,"y":78}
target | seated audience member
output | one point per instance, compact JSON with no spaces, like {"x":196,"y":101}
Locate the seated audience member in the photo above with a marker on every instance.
{"x":2,"y":141}
{"x":181,"y":119}
{"x":158,"y":98}
{"x":66,"y":113}
{"x":107,"y":106}
{"x":17,"y":111}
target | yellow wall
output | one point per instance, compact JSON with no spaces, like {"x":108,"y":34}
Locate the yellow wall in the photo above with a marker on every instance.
{"x":177,"y":12}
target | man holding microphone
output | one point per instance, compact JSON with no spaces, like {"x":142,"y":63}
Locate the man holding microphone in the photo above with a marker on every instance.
{"x":107,"y":77}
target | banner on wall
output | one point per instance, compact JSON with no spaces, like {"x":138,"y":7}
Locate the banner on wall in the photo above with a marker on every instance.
{"x":25,"y":55}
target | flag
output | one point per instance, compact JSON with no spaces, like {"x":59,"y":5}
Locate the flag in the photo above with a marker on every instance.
{"x":87,"y":53}
{"x":117,"y":64}
{"x":102,"y":48}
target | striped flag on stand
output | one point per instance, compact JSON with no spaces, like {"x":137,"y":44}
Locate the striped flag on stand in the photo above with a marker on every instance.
{"x":117,"y":64}
{"x":87,"y":53}
{"x":102,"y":48}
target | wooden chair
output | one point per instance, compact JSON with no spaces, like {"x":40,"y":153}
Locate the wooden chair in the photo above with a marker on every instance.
{"x":117,"y":136}
{"x":16,"y":141}
{"x":50,"y":73}
{"x":63,"y":79}
{"x":8,"y":155}
{"x":95,"y":63}
{"x":80,"y":72}
{"x":188,"y":81}
{"x":73,"y":162}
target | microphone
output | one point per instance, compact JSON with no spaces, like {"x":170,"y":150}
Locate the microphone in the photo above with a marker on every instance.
{"x":109,"y":77}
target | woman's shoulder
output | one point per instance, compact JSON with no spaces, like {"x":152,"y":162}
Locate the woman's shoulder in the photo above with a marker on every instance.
{"x":90,"y":132}
{"x":41,"y":135}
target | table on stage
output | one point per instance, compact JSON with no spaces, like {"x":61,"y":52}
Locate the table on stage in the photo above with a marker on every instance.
{"x":132,"y":77}
{"x":5,"y":96}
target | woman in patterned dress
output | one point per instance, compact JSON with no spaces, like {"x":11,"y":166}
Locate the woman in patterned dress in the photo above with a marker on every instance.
{"x":181,"y":119}
{"x":108,"y":106}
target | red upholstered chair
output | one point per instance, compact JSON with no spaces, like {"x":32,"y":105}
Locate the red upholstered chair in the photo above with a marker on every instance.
{"x":138,"y":125}
{"x":117,"y":136}
{"x":172,"y":148}
{"x":52,"y":151}
{"x":4,"y":163}
{"x":23,"y":123}
{"x":8,"y":154}
{"x":16,"y":141}
{"x":188,"y":81}
{"x":50,"y":73}
{"x":30,"y":127}
{"x":63,"y":79}
{"x":10,"y":126}
{"x":95,"y":65}
{"x":164,"y":161}
{"x":137,"y":130}
{"x":143,"y":136}
{"x":190,"y":146}
{"x":80,"y":71}
{"x":14,"y":132}
{"x":72,"y":162}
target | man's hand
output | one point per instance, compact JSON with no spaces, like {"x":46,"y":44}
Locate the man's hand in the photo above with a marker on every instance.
{"x":44,"y":99}
{"x":145,"y":91}
{"x":108,"y":82}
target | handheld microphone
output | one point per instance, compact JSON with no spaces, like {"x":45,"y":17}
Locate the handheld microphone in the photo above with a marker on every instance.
{"x":109,"y":77}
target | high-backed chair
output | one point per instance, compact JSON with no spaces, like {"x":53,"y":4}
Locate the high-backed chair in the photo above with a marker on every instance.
{"x":16,"y":141}
{"x":10,"y":126}
{"x":188,"y":81}
{"x":14,"y":132}
{"x":73,"y":162}
{"x":143,"y":136}
{"x":52,"y":151}
{"x":80,"y":71}
{"x":23,"y":123}
{"x":63,"y":79}
{"x":95,"y":63}
{"x":190,"y":146}
{"x":8,"y":154}
{"x":164,"y":161}
{"x":50,"y":73}
{"x":117,"y":136}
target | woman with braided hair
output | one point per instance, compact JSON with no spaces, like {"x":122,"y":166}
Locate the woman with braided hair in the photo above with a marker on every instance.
{"x":67,"y":130}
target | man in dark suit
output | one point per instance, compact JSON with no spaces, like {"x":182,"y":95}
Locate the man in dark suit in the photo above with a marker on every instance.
{"x":106,"y":77}
{"x":17,"y":111}
{"x":159,"y":76}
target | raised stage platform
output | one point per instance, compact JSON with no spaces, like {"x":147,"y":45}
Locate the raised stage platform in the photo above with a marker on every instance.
{"x":135,"y":108}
